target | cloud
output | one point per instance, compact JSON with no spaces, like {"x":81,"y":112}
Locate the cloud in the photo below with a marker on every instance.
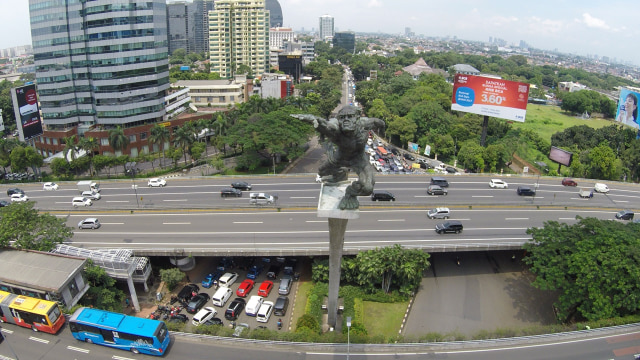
{"x":374,"y":3}
{"x":593,"y":22}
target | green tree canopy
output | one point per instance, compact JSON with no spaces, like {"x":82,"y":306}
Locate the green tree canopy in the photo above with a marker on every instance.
{"x":22,"y":227}
{"x":593,"y":265}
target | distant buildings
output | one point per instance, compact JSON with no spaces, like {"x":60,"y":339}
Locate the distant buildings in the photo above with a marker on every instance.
{"x":326,"y":29}
{"x":346,"y":41}
{"x":187,"y":24}
{"x":239,"y":35}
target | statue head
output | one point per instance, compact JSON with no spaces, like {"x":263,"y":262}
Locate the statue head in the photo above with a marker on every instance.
{"x":347,"y":116}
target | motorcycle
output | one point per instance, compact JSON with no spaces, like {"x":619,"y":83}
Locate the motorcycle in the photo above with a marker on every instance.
{"x":279,"y":324}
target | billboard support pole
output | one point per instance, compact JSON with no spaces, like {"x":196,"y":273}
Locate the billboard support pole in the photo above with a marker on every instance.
{"x":485,"y":125}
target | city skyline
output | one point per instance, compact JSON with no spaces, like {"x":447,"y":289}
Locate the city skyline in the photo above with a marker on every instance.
{"x":585,"y":28}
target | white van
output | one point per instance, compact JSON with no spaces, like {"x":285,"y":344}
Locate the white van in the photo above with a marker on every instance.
{"x":265,"y":311}
{"x":253,"y":305}
{"x":203,"y":315}
{"x":228,"y":279}
{"x":601,"y":188}
{"x":221,"y":296}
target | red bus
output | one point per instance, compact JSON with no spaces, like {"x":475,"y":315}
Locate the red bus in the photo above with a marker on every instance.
{"x":33,"y":313}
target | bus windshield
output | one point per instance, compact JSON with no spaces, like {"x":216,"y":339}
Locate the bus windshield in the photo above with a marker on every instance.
{"x":161,"y":332}
{"x":54,"y":314}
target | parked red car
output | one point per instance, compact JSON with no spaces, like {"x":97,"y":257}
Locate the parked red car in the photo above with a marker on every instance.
{"x":569,"y":182}
{"x":265,"y":288}
{"x":245,"y":287}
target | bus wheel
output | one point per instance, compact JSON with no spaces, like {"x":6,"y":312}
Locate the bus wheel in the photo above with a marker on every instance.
{"x":135,"y":351}
{"x":34,"y":328}
{"x":88,"y":341}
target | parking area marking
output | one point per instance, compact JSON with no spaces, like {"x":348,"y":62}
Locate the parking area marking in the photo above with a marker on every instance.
{"x":78,"y":349}
{"x":38,"y":340}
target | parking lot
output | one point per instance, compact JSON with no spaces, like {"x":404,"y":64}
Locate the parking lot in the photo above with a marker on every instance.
{"x":242,"y":266}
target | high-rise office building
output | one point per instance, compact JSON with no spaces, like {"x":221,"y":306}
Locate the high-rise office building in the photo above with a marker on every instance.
{"x":188,"y":25}
{"x":99,"y":65}
{"x":345,"y":40}
{"x":275,"y":12}
{"x":239,"y":35}
{"x":326,"y":30}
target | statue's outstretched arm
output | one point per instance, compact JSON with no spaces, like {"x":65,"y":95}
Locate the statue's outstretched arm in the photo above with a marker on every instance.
{"x":324,"y":126}
{"x":371,"y":123}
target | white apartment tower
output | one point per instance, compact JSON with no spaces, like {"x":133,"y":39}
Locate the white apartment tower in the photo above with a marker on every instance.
{"x":239,"y":35}
{"x":326,"y":30}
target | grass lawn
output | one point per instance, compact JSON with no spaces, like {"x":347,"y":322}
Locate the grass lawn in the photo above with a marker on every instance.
{"x":301,"y":301}
{"x":383,"y":318}
{"x":548,"y":120}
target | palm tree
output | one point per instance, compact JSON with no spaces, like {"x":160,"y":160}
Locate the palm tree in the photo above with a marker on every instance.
{"x":184,"y":137}
{"x":220,"y":126}
{"x":159,"y":136}
{"x":118,"y":140}
{"x":70,"y":148}
{"x":90,"y":145}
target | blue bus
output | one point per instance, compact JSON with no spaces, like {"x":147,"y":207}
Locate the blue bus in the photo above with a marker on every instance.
{"x":120,"y":331}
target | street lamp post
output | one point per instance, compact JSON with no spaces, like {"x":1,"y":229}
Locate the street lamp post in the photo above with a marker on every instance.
{"x":348,"y":335}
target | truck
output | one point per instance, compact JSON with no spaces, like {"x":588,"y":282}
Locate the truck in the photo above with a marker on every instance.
{"x":262,"y":199}
{"x":88,"y":185}
{"x":585,"y":193}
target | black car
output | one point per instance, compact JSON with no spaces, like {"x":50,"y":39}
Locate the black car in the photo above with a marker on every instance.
{"x":214,"y":321}
{"x":273,"y":271}
{"x":409,"y":156}
{"x":526,"y":191}
{"x":234,"y":309}
{"x":178,"y":318}
{"x":382,"y":195}
{"x":241,"y":185}
{"x":226,"y":192}
{"x":187,"y":292}
{"x":4,"y":203}
{"x":436,"y":190}
{"x":12,"y":191}
{"x":450,"y":170}
{"x":197,"y":302}
{"x":625,"y":215}
{"x":225,"y":264}
{"x":451,"y":226}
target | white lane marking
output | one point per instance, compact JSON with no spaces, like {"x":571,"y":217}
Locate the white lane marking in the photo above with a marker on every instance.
{"x":116,"y":357}
{"x":38,"y":340}
{"x":248,"y":222}
{"x":78,"y":349}
{"x":176,"y":223}
{"x":183,"y":200}
{"x":7,"y":331}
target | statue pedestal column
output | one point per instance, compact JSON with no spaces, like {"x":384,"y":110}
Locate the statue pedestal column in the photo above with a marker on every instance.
{"x":330,"y":197}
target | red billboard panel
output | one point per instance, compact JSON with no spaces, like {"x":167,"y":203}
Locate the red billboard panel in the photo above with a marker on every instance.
{"x":25,"y":103}
{"x":491,"y":97}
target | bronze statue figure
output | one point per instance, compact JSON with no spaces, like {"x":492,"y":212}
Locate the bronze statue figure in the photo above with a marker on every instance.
{"x":349,"y":133}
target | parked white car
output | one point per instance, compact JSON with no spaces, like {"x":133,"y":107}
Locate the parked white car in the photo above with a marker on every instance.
{"x":265,"y":311}
{"x":157,"y":182}
{"x":498,"y":184}
{"x":19,"y":197}
{"x":50,"y":186}
{"x":203,"y":315}
{"x":253,"y":305}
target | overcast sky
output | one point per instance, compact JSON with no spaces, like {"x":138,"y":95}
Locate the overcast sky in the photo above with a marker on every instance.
{"x":584,"y":27}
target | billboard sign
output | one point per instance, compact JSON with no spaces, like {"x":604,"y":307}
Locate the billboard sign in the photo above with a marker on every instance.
{"x":628,"y":108}
{"x":413,"y":146}
{"x":25,"y":104}
{"x":491,"y":97}
{"x":560,"y":156}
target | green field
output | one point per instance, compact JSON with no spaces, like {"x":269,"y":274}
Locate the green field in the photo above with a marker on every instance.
{"x":548,"y":120}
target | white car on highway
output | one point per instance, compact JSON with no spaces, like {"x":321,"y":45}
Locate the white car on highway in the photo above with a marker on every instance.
{"x":157,"y":182}
{"x":19,"y":197}
{"x":50,"y":186}
{"x":498,"y":184}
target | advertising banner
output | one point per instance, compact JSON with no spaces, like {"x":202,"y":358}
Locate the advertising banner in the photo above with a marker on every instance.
{"x":491,"y":97}
{"x":25,"y":102}
{"x":413,"y":146}
{"x":628,"y":108}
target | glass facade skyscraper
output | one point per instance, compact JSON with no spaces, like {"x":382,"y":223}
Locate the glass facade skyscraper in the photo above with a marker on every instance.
{"x":100,"y":63}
